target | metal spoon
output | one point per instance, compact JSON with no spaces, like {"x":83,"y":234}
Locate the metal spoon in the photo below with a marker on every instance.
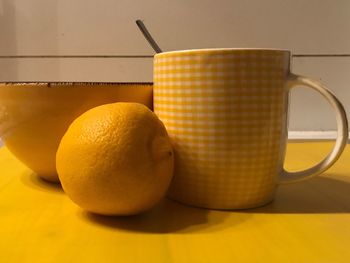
{"x":148,"y":36}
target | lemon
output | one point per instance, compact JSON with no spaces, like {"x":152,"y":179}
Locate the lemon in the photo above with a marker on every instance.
{"x":116,"y":159}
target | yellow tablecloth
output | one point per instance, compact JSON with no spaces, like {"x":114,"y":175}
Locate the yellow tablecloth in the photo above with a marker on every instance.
{"x":307,"y":222}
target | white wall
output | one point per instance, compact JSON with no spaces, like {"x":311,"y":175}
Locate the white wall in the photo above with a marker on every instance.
{"x":97,"y":40}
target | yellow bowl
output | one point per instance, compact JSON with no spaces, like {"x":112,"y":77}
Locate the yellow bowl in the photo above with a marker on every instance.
{"x":35,"y":116}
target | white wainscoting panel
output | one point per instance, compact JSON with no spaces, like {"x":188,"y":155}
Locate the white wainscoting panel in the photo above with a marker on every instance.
{"x":107,"y":27}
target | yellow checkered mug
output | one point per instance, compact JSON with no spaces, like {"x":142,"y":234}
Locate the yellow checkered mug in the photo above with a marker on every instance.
{"x":226,"y":111}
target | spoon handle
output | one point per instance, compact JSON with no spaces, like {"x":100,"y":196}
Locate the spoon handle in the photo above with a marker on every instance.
{"x":148,"y":36}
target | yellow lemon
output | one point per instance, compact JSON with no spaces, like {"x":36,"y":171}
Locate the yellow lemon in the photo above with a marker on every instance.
{"x":116,"y":159}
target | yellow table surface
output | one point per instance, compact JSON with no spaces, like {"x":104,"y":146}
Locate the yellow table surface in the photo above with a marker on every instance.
{"x":308,"y":222}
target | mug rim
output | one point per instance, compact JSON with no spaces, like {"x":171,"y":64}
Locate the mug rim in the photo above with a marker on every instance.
{"x":199,"y":50}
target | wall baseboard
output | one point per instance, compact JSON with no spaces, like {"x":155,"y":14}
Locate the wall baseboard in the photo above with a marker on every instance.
{"x":312,"y":135}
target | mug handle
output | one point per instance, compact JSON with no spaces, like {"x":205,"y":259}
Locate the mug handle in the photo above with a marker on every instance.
{"x":342,"y":135}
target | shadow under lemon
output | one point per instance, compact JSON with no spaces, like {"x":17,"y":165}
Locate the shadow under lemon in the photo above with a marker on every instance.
{"x":168,"y":217}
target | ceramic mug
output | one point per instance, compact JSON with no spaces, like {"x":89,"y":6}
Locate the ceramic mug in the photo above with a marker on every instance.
{"x":226,"y":111}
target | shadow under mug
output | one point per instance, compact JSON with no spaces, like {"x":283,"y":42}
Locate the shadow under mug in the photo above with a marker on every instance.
{"x":226,"y":111}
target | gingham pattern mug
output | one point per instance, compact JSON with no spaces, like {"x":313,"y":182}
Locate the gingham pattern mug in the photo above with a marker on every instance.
{"x":226,"y":111}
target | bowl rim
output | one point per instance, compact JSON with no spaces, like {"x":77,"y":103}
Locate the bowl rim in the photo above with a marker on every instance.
{"x":69,"y":83}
